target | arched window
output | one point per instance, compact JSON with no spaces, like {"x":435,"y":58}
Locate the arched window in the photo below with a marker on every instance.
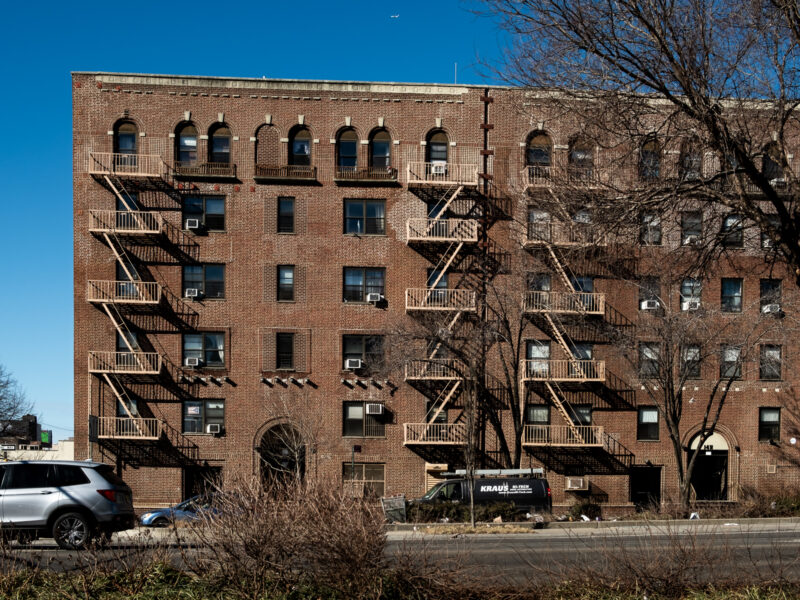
{"x":219,"y":147}
{"x":347,"y":150}
{"x":380,"y":149}
{"x":186,"y":149}
{"x":436,"y":150}
{"x":650,"y":160}
{"x":539,"y":151}
{"x":125,"y":138}
{"x":691,"y":160}
{"x":300,"y":147}
{"x":771,"y":163}
{"x":581,"y":159}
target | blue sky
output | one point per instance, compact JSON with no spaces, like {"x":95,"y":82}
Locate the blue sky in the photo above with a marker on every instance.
{"x":43,"y":41}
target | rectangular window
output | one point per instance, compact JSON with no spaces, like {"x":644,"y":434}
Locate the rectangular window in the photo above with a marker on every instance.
{"x":368,"y":348}
{"x":360,"y":281}
{"x":691,"y":227}
{"x":363,"y":479}
{"x":285,"y":215}
{"x":770,"y":295}
{"x":286,"y":283}
{"x":365,"y":217}
{"x":730,"y":365}
{"x":731,"y":294}
{"x":198,"y":414}
{"x":690,"y":361}
{"x":356,"y":422}
{"x":537,"y":414}
{"x":284,"y":351}
{"x":649,"y":359}
{"x":431,"y":408}
{"x":769,"y":424}
{"x":537,"y":354}
{"x":581,"y":415}
{"x":209,"y":211}
{"x":208,"y":280}
{"x":650,"y":229}
{"x":647,"y":423}
{"x":208,"y":347}
{"x":649,"y":293}
{"x":766,"y":238}
{"x":733,"y":231}
{"x":690,"y":293}
{"x":769,"y":366}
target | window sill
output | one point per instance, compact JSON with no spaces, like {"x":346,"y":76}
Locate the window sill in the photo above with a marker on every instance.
{"x":200,"y":434}
{"x":648,"y":441}
{"x":360,"y":235}
{"x":364,"y":437}
{"x":286,"y":233}
{"x":286,"y":301}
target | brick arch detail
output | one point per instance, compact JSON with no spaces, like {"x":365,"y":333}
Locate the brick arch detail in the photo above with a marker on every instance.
{"x":733,"y":454}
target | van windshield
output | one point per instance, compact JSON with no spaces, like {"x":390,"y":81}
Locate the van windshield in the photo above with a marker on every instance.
{"x":429,"y":495}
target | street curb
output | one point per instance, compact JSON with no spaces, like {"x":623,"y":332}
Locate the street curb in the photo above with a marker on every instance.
{"x":608,"y":524}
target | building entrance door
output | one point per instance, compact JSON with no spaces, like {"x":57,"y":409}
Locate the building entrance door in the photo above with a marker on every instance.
{"x":646,"y":487}
{"x":710,"y":476}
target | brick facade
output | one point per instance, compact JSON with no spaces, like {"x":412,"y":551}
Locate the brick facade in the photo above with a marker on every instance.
{"x":261,"y":116}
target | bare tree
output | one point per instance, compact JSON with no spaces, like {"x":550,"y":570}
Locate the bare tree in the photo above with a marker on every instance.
{"x":713,"y":82}
{"x":13,"y":401}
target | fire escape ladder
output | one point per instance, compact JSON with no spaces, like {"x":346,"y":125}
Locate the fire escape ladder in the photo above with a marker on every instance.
{"x":123,"y":195}
{"x":564,"y":414}
{"x":441,"y":270}
{"x":444,"y":397}
{"x":560,"y":268}
{"x":447,"y":202}
{"x":124,"y":401}
{"x":450,"y":326}
{"x":122,"y":257}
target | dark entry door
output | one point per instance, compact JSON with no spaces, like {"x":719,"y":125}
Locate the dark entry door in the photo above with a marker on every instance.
{"x":646,"y":487}
{"x":710,"y":475}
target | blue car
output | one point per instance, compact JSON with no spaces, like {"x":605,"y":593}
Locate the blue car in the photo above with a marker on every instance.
{"x":188,"y":510}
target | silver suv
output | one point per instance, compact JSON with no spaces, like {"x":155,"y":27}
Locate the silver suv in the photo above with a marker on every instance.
{"x":70,"y":501}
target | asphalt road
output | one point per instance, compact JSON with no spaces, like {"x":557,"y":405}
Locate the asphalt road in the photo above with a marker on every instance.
{"x":695,"y":552}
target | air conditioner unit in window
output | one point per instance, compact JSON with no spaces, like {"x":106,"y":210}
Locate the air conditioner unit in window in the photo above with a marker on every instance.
{"x":771,"y":309}
{"x":192,"y":223}
{"x":192,"y":362}
{"x":374,"y":298}
{"x":576,"y":484}
{"x":374,"y":408}
{"x":691,"y":305}
{"x":191,"y":293}
{"x":351,"y":364}
{"x":649,"y":304}
{"x":439,"y":168}
{"x":691,"y":240}
{"x":214,"y":428}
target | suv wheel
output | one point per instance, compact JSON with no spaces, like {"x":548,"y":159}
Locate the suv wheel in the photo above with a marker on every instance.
{"x":72,"y":531}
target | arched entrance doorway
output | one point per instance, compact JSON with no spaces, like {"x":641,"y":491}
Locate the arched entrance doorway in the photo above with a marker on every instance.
{"x":282,"y":454}
{"x":710,"y":475}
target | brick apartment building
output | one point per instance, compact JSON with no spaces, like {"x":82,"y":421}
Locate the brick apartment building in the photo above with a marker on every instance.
{"x":248,"y":253}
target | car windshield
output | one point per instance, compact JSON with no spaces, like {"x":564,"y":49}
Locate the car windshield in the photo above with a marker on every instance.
{"x":431,"y":493}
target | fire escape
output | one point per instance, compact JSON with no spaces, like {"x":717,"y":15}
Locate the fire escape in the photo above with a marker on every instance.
{"x":569,"y":316}
{"x":132,"y":433}
{"x":463,"y":205}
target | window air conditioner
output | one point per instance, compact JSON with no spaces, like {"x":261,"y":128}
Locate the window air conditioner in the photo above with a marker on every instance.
{"x":691,"y":305}
{"x":374,"y":408}
{"x":374,"y":298}
{"x":351,"y":364}
{"x":192,"y":362}
{"x":778,"y":183}
{"x":771,"y":308}
{"x":649,"y":304}
{"x":192,"y":223}
{"x":191,"y":293}
{"x":691,"y":240}
{"x":439,"y":168}
{"x":214,"y":428}
{"x":575,"y":484}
